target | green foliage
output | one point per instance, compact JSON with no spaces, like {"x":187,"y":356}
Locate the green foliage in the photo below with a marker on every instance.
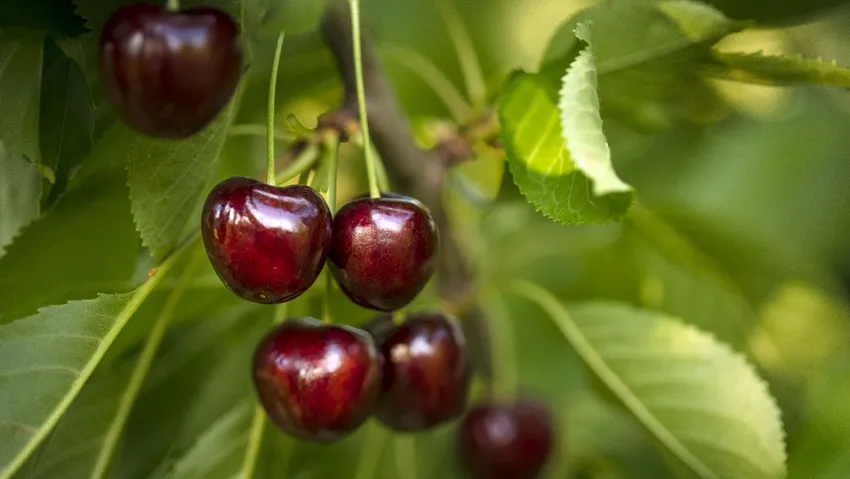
{"x":778,"y":70}
{"x":671,"y":378}
{"x":540,"y":162}
{"x":55,"y":17}
{"x":20,"y":82}
{"x":20,"y":188}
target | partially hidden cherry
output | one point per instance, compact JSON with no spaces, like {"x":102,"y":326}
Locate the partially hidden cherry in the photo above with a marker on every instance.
{"x":267,"y":244}
{"x":167,"y":73}
{"x":316,"y":381}
{"x":383,"y":251}
{"x":506,"y":441}
{"x":426,"y":373}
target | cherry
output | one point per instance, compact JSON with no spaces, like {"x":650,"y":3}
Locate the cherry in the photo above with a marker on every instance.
{"x":267,"y":244}
{"x":383,"y":250}
{"x":168,"y":74}
{"x":316,"y":381}
{"x":426,"y":373}
{"x":506,"y":441}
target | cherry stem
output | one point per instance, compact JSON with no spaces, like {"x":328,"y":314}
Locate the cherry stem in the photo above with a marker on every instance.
{"x":270,"y":134}
{"x":172,"y":5}
{"x":371,"y":170}
{"x":301,"y":164}
{"x":503,"y":355}
{"x":331,"y":144}
{"x":326,"y":310}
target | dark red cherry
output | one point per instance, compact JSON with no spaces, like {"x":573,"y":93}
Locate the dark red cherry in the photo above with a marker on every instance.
{"x":426,"y":373}
{"x":267,"y":244}
{"x":383,"y":251}
{"x":506,"y":441}
{"x":316,"y":381}
{"x":168,"y":74}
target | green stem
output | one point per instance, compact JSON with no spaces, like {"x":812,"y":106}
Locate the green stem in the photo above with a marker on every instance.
{"x":370,"y":453}
{"x":462,"y":43}
{"x":172,"y":5}
{"x":329,"y":284}
{"x":405,"y":456}
{"x":371,"y":170}
{"x":140,"y":371}
{"x":301,"y":164}
{"x":251,"y":129}
{"x":270,"y":136}
{"x":506,"y":373}
{"x":331,"y":143}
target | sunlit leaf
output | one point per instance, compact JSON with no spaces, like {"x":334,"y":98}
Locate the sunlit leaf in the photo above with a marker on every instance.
{"x":540,"y":161}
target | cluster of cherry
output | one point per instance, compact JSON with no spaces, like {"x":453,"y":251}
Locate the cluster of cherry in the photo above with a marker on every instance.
{"x":170,"y":73}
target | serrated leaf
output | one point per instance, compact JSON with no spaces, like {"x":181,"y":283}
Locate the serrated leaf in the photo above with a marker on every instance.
{"x":581,"y":123}
{"x":777,"y":70}
{"x":84,"y":245}
{"x":20,"y":188}
{"x":167,"y":179}
{"x":66,"y":120}
{"x":540,"y":162}
{"x":20,"y":82}
{"x":698,"y":21}
{"x":55,"y":17}
{"x":704,"y":405}
{"x":46,"y":359}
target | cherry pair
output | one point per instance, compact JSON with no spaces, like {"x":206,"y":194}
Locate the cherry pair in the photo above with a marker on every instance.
{"x":268,"y":244}
{"x":320,"y":382}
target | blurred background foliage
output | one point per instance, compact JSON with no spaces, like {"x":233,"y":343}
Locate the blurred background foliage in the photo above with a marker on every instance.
{"x":742,"y":229}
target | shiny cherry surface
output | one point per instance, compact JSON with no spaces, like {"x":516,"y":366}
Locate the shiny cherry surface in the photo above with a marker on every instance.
{"x":267,"y":244}
{"x":383,"y":251}
{"x":426,"y":373}
{"x":316,"y":381}
{"x":168,"y":74}
{"x":506,"y":441}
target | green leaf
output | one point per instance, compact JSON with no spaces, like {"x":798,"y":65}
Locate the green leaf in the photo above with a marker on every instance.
{"x":697,"y":20}
{"x":66,"y":121}
{"x":167,"y":179}
{"x":540,"y":161}
{"x":581,"y":123}
{"x":291,"y":16}
{"x":55,"y":17}
{"x":20,"y":188}
{"x":46,"y":359}
{"x":704,"y":405}
{"x":218,"y":451}
{"x":20,"y":81}
{"x":84,"y":245}
{"x":777,"y":70}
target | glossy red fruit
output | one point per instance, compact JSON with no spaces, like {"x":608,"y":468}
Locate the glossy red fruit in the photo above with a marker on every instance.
{"x":267,"y":244}
{"x":168,"y":74}
{"x":426,"y":373}
{"x":506,"y":441}
{"x":316,"y":381}
{"x":383,"y":250}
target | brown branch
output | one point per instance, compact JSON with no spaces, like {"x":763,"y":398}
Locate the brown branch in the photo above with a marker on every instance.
{"x":413,"y":171}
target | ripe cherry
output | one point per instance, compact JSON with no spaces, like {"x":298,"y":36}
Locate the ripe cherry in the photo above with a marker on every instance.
{"x":168,"y":74}
{"x":267,"y":244}
{"x":316,"y":381}
{"x":506,"y":441}
{"x":426,"y":374}
{"x":383,"y":250}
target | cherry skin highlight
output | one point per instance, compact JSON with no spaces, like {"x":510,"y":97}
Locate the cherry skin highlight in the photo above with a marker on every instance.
{"x":168,"y":74}
{"x":426,"y":373}
{"x":317,"y":382}
{"x":383,"y":250}
{"x":267,"y":244}
{"x":506,"y":441}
